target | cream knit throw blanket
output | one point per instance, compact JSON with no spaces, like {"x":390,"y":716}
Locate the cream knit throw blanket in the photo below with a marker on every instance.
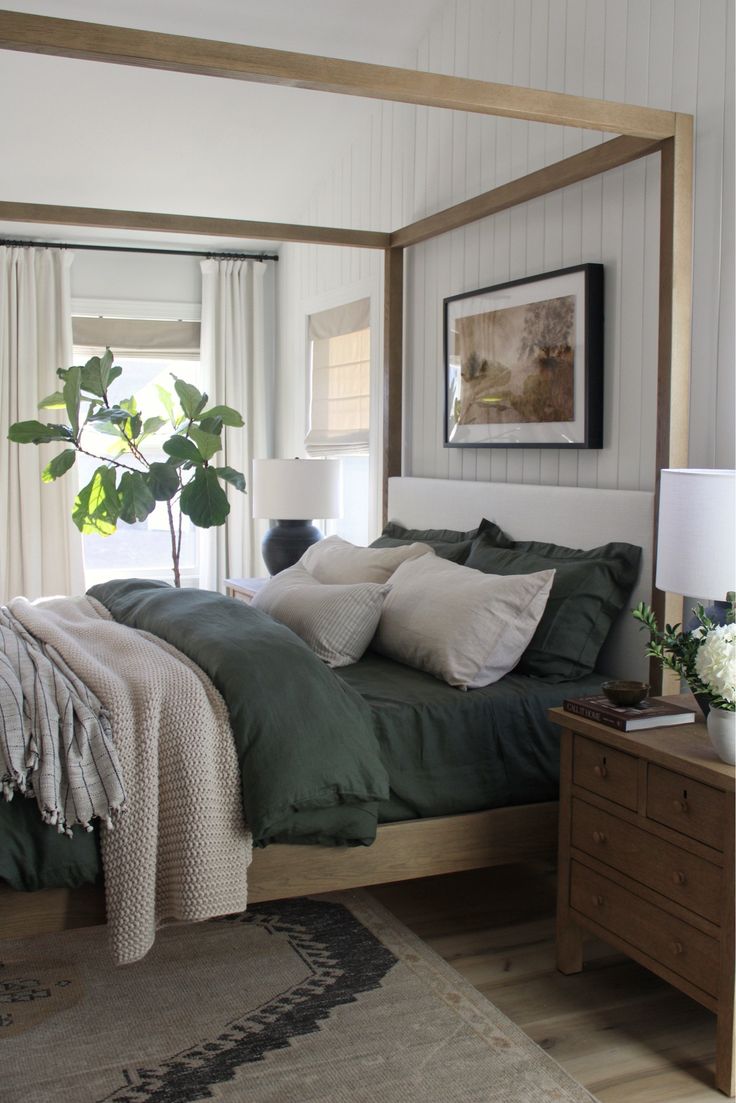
{"x":181,"y":850}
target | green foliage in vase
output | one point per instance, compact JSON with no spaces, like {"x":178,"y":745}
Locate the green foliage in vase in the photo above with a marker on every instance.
{"x":127,"y":485}
{"x":683,"y":652}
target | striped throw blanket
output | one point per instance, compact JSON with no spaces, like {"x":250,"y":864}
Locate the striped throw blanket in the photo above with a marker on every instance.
{"x":55,"y":736}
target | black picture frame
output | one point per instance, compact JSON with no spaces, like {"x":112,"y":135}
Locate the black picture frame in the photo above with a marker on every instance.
{"x":523,"y":362}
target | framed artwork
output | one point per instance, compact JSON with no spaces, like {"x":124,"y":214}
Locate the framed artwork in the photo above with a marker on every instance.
{"x":524,"y":363}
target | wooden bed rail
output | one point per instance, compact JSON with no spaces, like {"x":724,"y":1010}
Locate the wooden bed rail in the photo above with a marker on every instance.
{"x":402,"y":851}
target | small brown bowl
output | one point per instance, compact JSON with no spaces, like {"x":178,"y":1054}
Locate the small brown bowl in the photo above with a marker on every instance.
{"x":625,"y":694}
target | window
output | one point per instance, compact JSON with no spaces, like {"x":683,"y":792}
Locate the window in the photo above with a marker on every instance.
{"x":149,"y":354}
{"x":339,"y":406}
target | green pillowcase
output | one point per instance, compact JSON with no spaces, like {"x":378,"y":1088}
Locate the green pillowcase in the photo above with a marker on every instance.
{"x":589,"y":591}
{"x":447,"y":543}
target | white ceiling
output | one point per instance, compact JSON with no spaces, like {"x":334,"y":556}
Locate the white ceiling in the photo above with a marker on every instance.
{"x":87,"y":134}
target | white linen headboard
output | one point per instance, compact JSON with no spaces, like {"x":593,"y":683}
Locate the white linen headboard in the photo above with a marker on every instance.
{"x":573,"y":516}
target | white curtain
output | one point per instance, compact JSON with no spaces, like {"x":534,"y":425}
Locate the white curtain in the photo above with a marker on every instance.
{"x":237,"y":371}
{"x":40,"y":548}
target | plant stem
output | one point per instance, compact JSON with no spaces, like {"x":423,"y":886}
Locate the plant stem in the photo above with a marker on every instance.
{"x":105,"y":459}
{"x":174,"y":548}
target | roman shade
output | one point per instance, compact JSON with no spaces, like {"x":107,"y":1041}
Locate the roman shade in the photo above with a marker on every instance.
{"x":339,"y":407}
{"x":137,"y":337}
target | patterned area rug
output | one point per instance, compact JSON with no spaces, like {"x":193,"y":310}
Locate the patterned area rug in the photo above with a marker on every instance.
{"x":328,"y":999}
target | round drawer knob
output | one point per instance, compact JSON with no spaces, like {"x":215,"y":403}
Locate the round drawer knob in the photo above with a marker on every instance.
{"x":679,"y":878}
{"x":599,"y":836}
{"x":676,"y":947}
{"x":680,"y":805}
{"x":598,"y":901}
{"x":600,"y":771}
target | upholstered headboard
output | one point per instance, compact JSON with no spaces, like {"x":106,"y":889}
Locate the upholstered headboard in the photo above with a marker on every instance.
{"x":572,"y":516}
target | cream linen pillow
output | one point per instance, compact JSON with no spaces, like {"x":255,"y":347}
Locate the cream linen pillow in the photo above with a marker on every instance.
{"x":465,"y":627}
{"x":336,"y":560}
{"x":336,"y":621}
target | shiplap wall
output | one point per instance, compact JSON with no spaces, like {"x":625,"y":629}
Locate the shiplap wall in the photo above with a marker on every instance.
{"x":675,"y":54}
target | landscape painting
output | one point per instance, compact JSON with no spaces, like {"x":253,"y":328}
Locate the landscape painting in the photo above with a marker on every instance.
{"x":524,"y":362}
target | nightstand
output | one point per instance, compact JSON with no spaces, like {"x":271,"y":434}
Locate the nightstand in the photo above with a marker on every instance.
{"x":646,"y":859}
{"x":243,"y":589}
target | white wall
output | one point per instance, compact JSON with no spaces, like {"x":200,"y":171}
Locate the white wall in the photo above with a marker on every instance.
{"x":674,"y":54}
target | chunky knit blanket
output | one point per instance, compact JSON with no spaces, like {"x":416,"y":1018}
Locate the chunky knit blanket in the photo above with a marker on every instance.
{"x":181,"y":850}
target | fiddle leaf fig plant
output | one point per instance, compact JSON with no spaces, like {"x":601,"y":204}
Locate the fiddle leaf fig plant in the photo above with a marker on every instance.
{"x":127,"y":484}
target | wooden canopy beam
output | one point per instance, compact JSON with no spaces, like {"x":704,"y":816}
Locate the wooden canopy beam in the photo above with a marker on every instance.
{"x":591,"y":162}
{"x":206,"y":57}
{"x":190,"y":224}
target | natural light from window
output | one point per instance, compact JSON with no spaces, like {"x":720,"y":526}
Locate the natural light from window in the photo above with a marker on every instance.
{"x":142,"y":550}
{"x":339,"y":409}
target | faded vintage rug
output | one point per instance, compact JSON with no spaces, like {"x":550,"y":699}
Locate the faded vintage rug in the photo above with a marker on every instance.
{"x":325,"y":999}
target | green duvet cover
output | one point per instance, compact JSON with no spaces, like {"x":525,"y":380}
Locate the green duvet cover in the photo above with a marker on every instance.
{"x":324,"y":754}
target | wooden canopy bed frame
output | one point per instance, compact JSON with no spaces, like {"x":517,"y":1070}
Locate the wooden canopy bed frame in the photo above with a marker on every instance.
{"x":431,"y":846}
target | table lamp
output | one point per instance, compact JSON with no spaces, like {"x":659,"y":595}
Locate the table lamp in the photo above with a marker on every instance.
{"x":292,"y":493}
{"x":696,"y":543}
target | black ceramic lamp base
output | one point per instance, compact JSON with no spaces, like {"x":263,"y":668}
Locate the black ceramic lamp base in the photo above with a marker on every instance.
{"x":285,"y":543}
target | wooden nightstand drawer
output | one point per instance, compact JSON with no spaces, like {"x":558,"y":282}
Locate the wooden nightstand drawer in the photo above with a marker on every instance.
{"x":674,"y":944}
{"x":610,"y":773}
{"x":688,"y":806}
{"x":691,"y":881}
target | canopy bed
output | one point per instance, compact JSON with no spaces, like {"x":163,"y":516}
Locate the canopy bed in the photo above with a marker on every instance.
{"x":579,"y":517}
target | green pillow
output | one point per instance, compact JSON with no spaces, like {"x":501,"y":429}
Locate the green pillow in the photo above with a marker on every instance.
{"x":447,"y":543}
{"x":590,"y":589}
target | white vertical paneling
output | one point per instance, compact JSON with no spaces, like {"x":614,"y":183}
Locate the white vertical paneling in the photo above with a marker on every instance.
{"x":412,"y":161}
{"x":725,"y":453}
{"x":708,"y":188}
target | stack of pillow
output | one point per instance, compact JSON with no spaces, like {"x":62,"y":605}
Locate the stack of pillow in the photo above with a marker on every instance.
{"x":468,"y":607}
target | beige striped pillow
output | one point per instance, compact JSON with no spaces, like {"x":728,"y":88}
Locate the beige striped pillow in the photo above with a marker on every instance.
{"x":337,"y":621}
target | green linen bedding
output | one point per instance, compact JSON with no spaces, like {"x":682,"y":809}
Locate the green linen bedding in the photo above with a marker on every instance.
{"x":324,"y":754}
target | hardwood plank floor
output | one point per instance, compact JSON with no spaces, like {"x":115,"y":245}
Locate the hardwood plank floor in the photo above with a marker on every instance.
{"x":623,"y":1033}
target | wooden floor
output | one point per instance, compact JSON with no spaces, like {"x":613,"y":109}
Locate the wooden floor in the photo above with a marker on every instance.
{"x":619,"y":1030}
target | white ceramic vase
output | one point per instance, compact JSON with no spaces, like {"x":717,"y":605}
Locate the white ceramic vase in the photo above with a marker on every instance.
{"x":722,"y":731}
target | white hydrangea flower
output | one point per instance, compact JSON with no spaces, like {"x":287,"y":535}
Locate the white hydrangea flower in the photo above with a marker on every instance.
{"x":715,"y":662}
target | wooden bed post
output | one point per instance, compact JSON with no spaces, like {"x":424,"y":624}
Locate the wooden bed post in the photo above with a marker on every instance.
{"x":674,"y":351}
{"x":393,"y":366}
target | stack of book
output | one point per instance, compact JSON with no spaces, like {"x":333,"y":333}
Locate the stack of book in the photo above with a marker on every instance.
{"x":649,"y":713}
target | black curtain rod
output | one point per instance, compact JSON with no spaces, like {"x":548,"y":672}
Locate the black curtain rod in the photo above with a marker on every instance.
{"x":140,"y":249}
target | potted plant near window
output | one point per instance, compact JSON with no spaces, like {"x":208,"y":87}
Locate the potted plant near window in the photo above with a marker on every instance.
{"x":706,"y":658}
{"x":127,"y":484}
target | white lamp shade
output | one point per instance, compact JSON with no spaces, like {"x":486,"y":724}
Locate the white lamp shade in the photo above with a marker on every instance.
{"x":296,"y":490}
{"x":696,"y":546}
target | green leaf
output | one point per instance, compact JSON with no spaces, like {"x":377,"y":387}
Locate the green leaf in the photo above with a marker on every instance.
{"x":210,"y":425}
{"x":152,"y":425}
{"x":59,"y":465}
{"x":203,"y":499}
{"x":136,"y":499}
{"x":53,"y":401}
{"x":166,"y":401}
{"x":129,"y":404}
{"x":116,"y":415}
{"x":133,"y":426}
{"x":163,"y":481}
{"x":207,"y":443}
{"x":227,"y":413}
{"x":90,"y":379}
{"x":192,"y":400}
{"x":72,"y":398}
{"x":106,"y":368}
{"x":97,"y":506}
{"x":33,"y":432}
{"x":230,"y":475}
{"x":181,"y":450}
